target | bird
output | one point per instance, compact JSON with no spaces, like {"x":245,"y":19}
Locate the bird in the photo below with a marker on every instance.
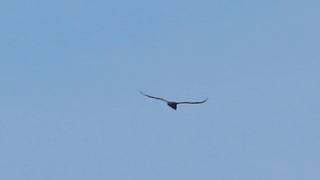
{"x":173,"y":104}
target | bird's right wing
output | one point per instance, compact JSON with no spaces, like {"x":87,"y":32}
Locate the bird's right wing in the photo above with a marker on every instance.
{"x":153,"y":97}
{"x":194,"y":102}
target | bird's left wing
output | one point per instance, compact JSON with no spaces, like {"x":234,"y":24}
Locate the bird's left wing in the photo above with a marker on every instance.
{"x":153,"y":96}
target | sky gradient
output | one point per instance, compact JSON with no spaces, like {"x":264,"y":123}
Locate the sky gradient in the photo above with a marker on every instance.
{"x":70,"y":73}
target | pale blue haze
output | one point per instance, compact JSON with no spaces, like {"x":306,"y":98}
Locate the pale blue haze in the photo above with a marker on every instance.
{"x":70,"y":72}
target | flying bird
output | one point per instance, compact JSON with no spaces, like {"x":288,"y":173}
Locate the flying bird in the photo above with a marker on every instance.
{"x":173,"y":104}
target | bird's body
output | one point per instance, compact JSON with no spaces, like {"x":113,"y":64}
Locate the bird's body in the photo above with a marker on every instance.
{"x":173,"y":104}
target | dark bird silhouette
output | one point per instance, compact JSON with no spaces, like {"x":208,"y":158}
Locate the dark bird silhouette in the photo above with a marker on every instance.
{"x":173,"y":104}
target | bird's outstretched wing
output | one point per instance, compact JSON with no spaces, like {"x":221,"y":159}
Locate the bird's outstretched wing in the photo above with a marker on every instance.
{"x":153,"y":96}
{"x":194,"y":102}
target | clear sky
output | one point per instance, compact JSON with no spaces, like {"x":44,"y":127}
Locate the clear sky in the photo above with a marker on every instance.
{"x":70,"y":72}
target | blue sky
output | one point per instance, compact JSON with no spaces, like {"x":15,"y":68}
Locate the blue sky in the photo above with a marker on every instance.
{"x":70,"y":72}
